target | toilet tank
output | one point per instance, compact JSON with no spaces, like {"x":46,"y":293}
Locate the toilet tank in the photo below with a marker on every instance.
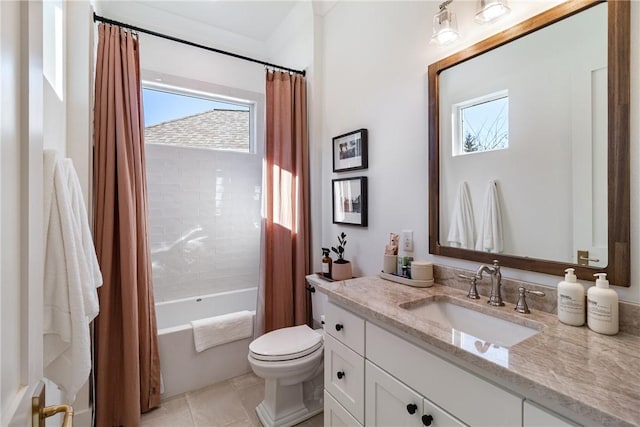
{"x":318,"y":304}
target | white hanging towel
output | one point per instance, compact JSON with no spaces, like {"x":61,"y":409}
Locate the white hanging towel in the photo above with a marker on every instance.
{"x":462,"y":229}
{"x":71,"y":277}
{"x":223,"y":329}
{"x":91,"y":305}
{"x":490,"y":234}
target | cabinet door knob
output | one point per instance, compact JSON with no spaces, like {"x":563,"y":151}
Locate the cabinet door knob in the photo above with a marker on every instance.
{"x":412,"y":408}
{"x":339,"y":326}
{"x":427,"y":419}
{"x":340,"y":375}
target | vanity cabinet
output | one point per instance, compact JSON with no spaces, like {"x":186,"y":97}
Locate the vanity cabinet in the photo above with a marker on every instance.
{"x":373,"y":377}
{"x":468,"y":398}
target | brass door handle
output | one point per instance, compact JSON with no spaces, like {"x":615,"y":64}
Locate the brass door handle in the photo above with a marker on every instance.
{"x":39,"y":412}
{"x":56,"y":409}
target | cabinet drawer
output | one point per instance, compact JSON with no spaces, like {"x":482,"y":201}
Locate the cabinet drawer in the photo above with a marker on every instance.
{"x":470,"y":398}
{"x":344,"y":376}
{"x":346,"y":327}
{"x":335,"y":415}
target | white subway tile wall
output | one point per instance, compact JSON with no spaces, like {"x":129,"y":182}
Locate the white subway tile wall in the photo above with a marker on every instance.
{"x":204,"y":217}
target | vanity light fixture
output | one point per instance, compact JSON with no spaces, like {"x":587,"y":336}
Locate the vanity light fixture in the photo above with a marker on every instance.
{"x":445,"y":26}
{"x":491,"y":10}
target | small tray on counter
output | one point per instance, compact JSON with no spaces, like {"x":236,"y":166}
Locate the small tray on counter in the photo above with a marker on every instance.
{"x":323,"y":277}
{"x":406,"y":281}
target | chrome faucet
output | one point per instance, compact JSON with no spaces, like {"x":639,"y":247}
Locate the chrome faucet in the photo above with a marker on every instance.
{"x":495,"y":297}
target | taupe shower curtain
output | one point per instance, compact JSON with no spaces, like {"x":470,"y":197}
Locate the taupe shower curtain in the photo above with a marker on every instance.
{"x":127,"y":367}
{"x":285,"y":253}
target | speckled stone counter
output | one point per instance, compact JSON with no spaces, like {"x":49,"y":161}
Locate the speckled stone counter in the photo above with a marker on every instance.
{"x":593,"y":376}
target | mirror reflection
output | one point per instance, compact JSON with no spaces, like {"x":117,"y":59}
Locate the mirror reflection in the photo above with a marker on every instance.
{"x":523,"y":145}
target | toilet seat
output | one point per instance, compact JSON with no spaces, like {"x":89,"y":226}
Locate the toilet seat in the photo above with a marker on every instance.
{"x":286,"y":344}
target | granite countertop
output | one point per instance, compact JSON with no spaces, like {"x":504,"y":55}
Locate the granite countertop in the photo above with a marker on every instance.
{"x":593,"y":375}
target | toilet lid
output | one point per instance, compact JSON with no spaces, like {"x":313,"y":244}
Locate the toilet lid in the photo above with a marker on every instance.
{"x":286,"y":343}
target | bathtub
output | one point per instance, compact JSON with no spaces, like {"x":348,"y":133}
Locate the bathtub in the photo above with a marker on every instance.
{"x":183,"y":369}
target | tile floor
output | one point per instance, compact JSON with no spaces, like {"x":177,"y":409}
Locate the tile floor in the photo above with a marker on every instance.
{"x":229,"y":403}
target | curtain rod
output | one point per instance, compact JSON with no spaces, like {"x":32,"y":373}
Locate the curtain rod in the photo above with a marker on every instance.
{"x":97,"y":18}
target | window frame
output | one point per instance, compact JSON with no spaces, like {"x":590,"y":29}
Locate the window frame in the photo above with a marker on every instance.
{"x":184,"y":89}
{"x":457,"y":122}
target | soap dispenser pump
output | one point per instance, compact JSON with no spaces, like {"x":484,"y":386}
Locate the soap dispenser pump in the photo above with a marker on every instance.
{"x":602,"y":307}
{"x":571,"y":301}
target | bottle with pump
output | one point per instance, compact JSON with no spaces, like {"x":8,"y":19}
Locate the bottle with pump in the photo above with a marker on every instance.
{"x":326,"y":263}
{"x":602,"y":307}
{"x":571,"y":300}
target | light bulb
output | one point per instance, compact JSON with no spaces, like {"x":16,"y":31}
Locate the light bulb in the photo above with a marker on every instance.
{"x":491,"y":11}
{"x":445,"y":27}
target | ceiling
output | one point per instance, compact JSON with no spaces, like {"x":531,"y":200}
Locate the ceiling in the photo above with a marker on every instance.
{"x":253,"y":19}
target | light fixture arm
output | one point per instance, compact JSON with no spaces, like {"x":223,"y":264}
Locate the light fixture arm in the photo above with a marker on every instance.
{"x":444,"y":5}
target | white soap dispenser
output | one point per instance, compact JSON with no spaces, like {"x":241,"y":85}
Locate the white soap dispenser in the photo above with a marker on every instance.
{"x":602,"y":307}
{"x":571,"y":300}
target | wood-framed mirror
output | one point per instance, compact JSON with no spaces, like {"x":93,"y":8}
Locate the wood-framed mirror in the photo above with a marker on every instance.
{"x":615,"y":171}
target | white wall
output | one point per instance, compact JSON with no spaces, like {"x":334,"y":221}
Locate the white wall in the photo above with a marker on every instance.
{"x":375,"y":57}
{"x":176,"y":59}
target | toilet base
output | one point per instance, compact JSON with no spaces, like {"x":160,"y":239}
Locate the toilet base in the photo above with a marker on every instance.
{"x":291,"y":404}
{"x":289,"y":420}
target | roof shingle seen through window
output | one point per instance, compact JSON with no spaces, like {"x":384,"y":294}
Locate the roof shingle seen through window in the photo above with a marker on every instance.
{"x":216,"y":129}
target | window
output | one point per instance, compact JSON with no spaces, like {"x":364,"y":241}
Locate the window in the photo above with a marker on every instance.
{"x":52,"y":44}
{"x":481,"y":124}
{"x":181,"y":118}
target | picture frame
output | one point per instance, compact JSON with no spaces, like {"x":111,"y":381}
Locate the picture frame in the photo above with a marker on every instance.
{"x":349,"y":200}
{"x":350,"y":151}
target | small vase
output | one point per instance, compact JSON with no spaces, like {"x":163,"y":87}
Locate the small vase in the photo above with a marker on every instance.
{"x":341,"y":271}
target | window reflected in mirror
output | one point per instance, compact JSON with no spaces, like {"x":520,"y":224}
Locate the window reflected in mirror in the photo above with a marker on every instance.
{"x":481,"y":124}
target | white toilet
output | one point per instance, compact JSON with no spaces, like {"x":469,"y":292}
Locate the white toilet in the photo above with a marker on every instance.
{"x":291,"y":362}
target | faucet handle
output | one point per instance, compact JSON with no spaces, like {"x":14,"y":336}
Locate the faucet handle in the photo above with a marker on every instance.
{"x":473,"y":291}
{"x":521,"y":305}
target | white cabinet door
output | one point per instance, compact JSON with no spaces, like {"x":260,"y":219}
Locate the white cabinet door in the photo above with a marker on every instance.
{"x":335,"y":415}
{"x":344,"y":376}
{"x":388,"y":402}
{"x":535,"y":416}
{"x":434,"y":416}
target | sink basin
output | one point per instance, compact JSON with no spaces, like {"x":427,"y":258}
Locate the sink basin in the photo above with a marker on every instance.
{"x":470,"y":323}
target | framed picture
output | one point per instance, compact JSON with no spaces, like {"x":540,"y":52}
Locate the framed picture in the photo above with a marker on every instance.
{"x":350,"y":201}
{"x":350,"y":151}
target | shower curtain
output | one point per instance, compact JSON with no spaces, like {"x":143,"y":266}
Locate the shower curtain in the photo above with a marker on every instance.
{"x":285,"y":261}
{"x":127,"y":366}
